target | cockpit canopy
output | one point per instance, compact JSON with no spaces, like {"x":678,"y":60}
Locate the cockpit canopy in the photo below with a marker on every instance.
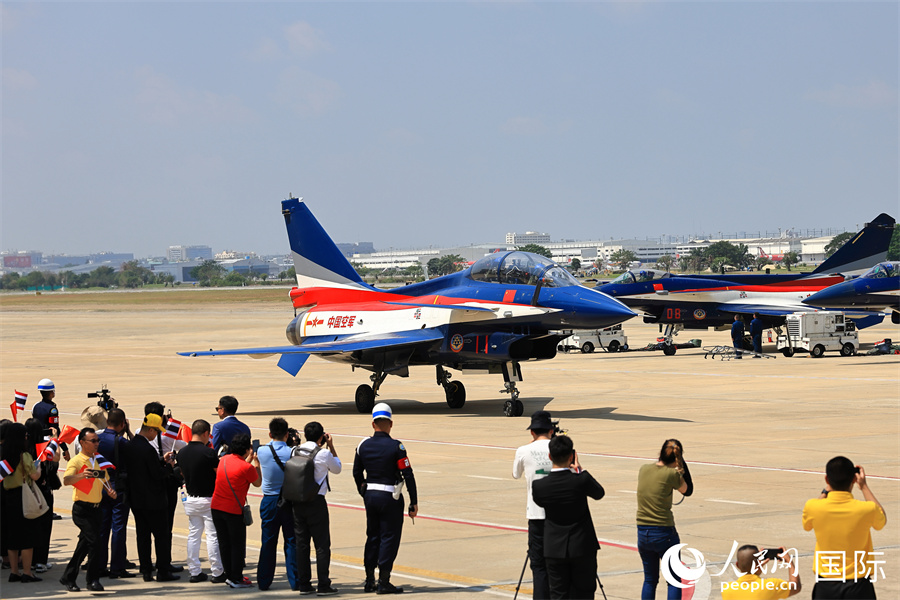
{"x":640,"y":276}
{"x":883,"y":270}
{"x":520,"y":268}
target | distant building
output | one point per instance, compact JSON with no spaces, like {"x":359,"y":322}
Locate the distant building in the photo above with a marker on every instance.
{"x":22,"y":259}
{"x":529,"y":237}
{"x":182,"y":253}
{"x":349,"y":250}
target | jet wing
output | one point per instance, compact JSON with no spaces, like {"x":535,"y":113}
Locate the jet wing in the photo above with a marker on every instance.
{"x":293,"y":357}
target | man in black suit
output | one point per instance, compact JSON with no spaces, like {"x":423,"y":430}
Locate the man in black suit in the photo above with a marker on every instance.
{"x":570,"y":543}
{"x":147,"y":493}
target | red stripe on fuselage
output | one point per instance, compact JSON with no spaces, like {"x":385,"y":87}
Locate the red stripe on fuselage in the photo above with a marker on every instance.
{"x":344,"y":299}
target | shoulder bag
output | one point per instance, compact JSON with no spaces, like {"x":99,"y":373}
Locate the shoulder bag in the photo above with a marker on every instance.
{"x":248,"y":516}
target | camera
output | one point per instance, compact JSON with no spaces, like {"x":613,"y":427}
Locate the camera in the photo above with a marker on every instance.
{"x":772,"y":553}
{"x":106,"y":402}
{"x":557,"y":430}
{"x":293,"y":437}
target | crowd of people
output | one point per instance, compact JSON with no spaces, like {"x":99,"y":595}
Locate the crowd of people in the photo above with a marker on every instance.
{"x":113,"y":472}
{"x":562,"y":544}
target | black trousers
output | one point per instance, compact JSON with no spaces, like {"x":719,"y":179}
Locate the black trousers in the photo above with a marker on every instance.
{"x":311,"y":521}
{"x":87,"y":518}
{"x":384,"y":524}
{"x":540,"y":581}
{"x":857,"y":590}
{"x":147,"y":523}
{"x":573,"y":577}
{"x":232,"y":534}
{"x":44,"y":532}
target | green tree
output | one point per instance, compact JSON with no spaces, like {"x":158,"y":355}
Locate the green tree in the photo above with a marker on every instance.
{"x":575,"y":265}
{"x":449,"y":263}
{"x":735,"y":255}
{"x":292,"y":273}
{"x":208,"y":272}
{"x":838,"y":241}
{"x":790,"y":258}
{"x":665,"y":262}
{"x":233,"y":278}
{"x":894,"y":247}
{"x":535,"y":249}
{"x":10,"y":281}
{"x":761,"y":262}
{"x":101,"y":277}
{"x":621,"y":258}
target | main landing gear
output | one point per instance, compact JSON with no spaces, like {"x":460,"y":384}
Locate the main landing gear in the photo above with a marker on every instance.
{"x":365,"y":394}
{"x":454,"y":390}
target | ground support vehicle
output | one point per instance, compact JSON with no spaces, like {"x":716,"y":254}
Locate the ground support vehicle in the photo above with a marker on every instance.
{"x":818,"y":332}
{"x":611,"y":339}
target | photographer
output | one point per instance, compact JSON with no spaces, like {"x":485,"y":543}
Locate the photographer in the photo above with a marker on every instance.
{"x":86,"y":511}
{"x":655,"y":522}
{"x":272,"y":518}
{"x":311,"y":519}
{"x":533,"y":461}
{"x":750,"y":586}
{"x":570,"y":542}
{"x":843,"y":527}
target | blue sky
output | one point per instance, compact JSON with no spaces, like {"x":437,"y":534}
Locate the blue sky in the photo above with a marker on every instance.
{"x":134,"y":126}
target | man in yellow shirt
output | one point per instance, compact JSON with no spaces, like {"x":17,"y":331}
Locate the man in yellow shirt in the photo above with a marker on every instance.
{"x":844,"y":559}
{"x":88,"y":480}
{"x":751,"y":586}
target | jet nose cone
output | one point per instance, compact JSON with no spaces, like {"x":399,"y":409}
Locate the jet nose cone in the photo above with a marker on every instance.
{"x":830,"y":296}
{"x":596,"y":309}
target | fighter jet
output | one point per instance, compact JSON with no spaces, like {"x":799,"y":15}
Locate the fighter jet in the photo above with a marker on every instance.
{"x":701,"y":301}
{"x":507,"y":308}
{"x":877,"y":289}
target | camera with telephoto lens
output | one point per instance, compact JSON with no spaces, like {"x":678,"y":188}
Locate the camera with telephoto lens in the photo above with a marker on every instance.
{"x":106,"y":402}
{"x":293,"y":437}
{"x":557,"y":430}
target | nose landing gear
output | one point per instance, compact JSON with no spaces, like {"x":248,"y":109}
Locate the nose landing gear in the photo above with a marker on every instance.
{"x":454,"y":390}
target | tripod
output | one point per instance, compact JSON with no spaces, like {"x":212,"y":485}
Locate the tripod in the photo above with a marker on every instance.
{"x":522,"y":575}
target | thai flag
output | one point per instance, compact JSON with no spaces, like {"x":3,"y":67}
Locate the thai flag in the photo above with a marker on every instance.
{"x":5,"y":470}
{"x":103,"y":463}
{"x":172,"y":428}
{"x":49,"y":450}
{"x":21,"y":398}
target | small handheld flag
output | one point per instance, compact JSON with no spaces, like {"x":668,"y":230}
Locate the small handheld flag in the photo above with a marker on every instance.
{"x":68,"y":435}
{"x":102,"y":462}
{"x":5,"y":470}
{"x":18,"y":404}
{"x":85,"y":485}
{"x":184,"y":434}
{"x":48,"y":450}
{"x":172,"y":428}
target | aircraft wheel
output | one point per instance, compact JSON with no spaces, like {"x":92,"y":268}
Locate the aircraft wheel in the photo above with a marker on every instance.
{"x":625,"y":348}
{"x":895,"y":318}
{"x":519,"y":408}
{"x":456,"y":394}
{"x":587,"y":348}
{"x":365,"y":398}
{"x":669,"y":349}
{"x":848,"y":349}
{"x":817,"y":351}
{"x":509,"y":408}
{"x":787,"y":352}
{"x":613,"y":346}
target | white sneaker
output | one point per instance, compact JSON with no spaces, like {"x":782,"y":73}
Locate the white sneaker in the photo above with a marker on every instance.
{"x":238,"y":585}
{"x":42,"y":568}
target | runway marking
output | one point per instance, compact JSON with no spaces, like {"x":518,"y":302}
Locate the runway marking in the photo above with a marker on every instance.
{"x":732,"y":502}
{"x":487,"y":477}
{"x":627,"y":491}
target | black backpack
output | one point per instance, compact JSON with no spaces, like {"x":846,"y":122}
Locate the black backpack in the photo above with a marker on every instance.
{"x":300,"y":476}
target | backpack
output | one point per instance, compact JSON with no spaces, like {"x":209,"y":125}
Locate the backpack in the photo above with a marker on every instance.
{"x":299,"y":476}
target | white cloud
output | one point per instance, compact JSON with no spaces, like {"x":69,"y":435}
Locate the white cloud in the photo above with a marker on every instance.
{"x":164,"y":101}
{"x":266,"y":50}
{"x":306,"y":92}
{"x":18,"y":80}
{"x":303,"y":39}
{"x":875,"y":94}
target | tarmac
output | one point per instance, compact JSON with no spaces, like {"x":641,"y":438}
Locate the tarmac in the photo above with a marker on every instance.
{"x":757,"y":434}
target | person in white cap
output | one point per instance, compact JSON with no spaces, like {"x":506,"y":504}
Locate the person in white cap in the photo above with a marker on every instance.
{"x":386,"y":466}
{"x":47,"y":413}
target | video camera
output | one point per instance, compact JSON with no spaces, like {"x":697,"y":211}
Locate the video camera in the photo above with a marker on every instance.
{"x":557,"y":430}
{"x":106,"y":402}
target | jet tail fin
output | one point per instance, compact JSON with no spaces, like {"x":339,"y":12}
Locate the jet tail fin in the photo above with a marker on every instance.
{"x":318,"y":261}
{"x":862,"y":251}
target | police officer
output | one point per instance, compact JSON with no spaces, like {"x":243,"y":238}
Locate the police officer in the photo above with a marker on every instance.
{"x":47,"y":413}
{"x":386,"y":468}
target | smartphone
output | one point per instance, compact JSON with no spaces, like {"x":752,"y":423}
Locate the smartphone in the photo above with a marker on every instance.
{"x":856,"y":470}
{"x":255,"y":446}
{"x":772,"y":553}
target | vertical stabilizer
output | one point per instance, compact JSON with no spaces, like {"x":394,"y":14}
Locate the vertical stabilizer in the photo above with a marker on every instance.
{"x":864,"y":250}
{"x":317,"y":260}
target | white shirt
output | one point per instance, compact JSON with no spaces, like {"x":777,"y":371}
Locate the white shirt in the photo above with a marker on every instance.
{"x":534,"y":461}
{"x":325,"y":462}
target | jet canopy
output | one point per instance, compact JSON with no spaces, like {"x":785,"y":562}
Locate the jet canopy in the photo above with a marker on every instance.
{"x":520,"y":268}
{"x":882,"y":270}
{"x":640,"y":276}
